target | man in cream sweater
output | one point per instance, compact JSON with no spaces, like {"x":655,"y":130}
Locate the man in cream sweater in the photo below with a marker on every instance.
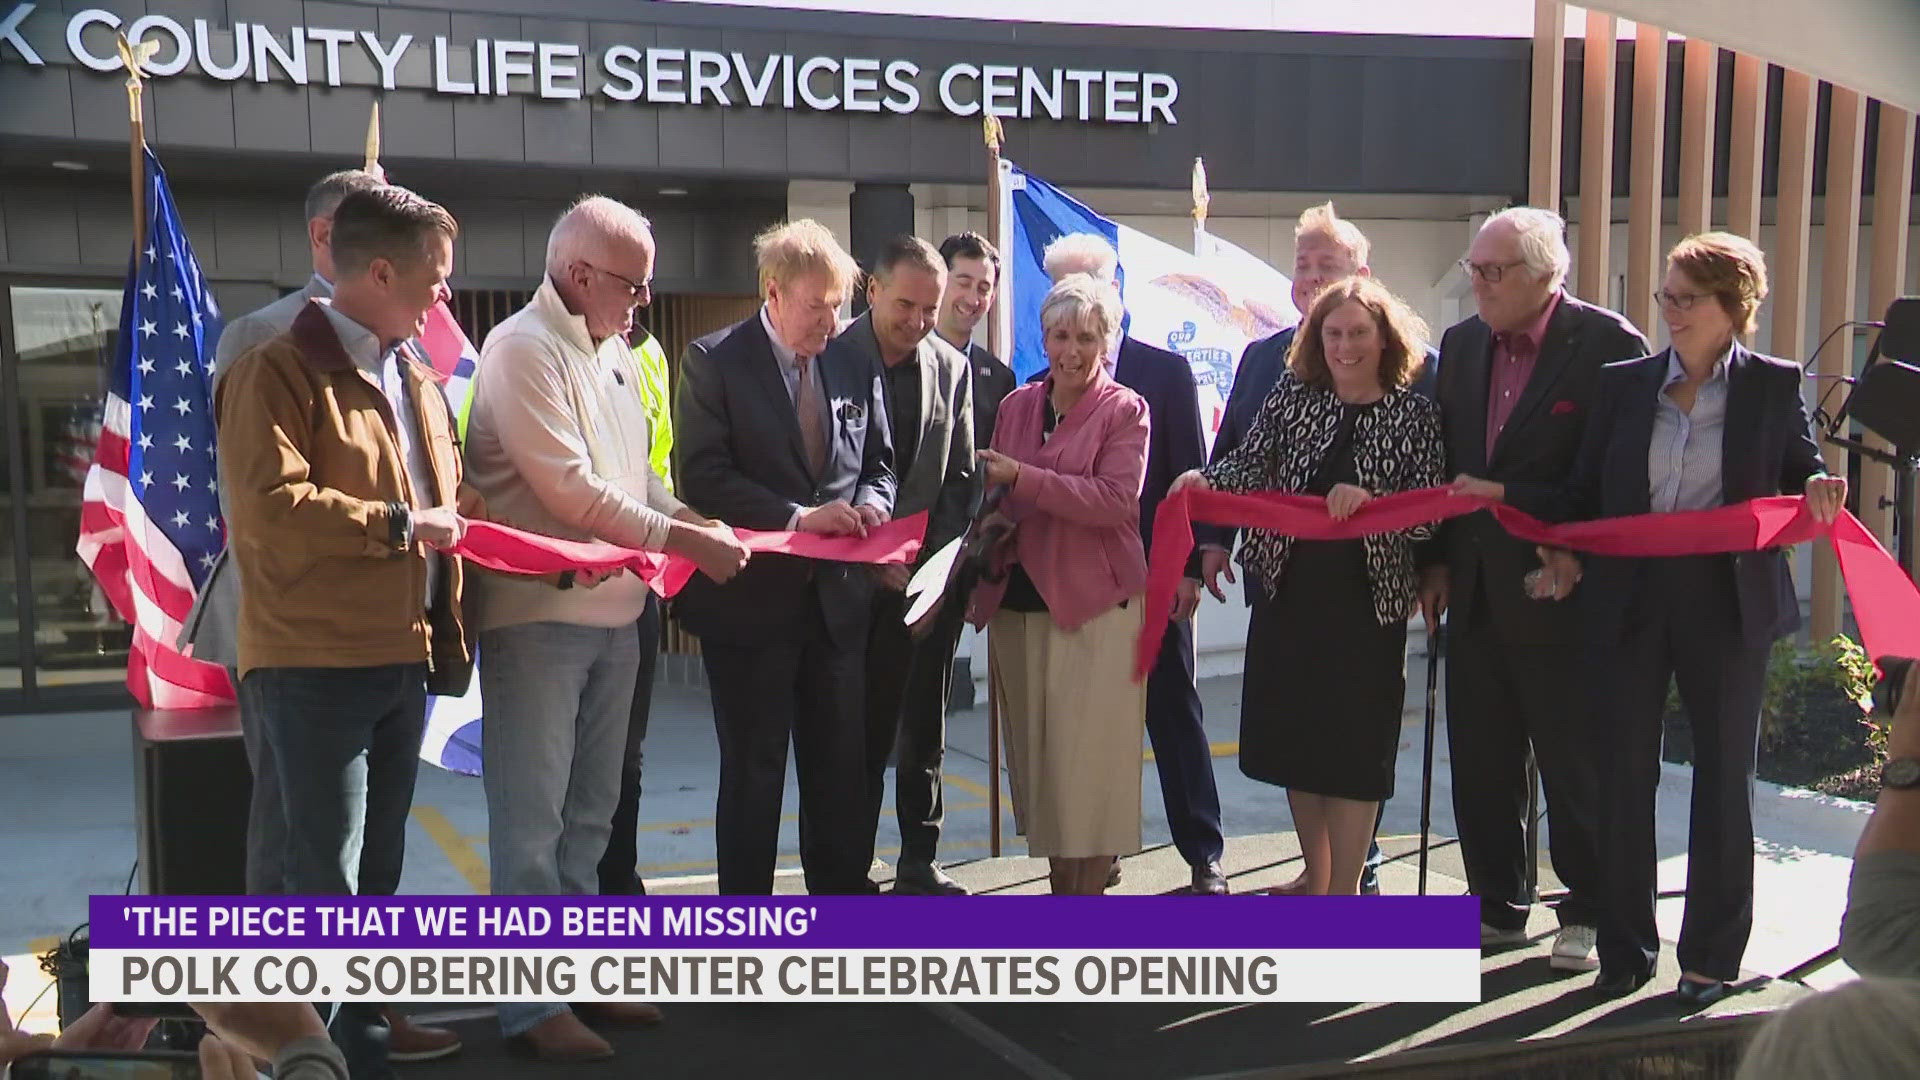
{"x":558,"y":445}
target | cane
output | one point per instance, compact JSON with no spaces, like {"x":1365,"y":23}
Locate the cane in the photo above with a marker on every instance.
{"x":1436,"y":645}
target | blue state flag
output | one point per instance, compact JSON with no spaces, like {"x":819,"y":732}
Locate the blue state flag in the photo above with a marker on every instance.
{"x":1039,"y":214}
{"x":1207,"y":306}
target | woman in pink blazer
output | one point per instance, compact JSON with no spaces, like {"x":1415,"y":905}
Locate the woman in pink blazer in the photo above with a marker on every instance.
{"x":1063,"y":617}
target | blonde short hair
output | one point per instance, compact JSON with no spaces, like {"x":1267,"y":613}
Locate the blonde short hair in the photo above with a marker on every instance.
{"x":795,"y":248}
{"x":1862,"y":1029}
{"x":1323,"y":222}
{"x":1082,"y":299}
{"x":1081,"y":253}
{"x":1731,"y":268}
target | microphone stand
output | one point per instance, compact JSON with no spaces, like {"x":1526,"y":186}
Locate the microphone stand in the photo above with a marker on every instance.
{"x":1906,"y":468}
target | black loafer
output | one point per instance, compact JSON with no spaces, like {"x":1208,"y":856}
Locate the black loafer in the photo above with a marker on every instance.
{"x":1700,"y":994}
{"x":1618,"y":984}
{"x":1209,"y":880}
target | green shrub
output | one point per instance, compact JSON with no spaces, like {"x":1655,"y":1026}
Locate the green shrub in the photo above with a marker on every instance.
{"x":1814,"y":730}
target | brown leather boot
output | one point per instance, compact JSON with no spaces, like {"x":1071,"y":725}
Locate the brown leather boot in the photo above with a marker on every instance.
{"x":619,"y":1013}
{"x":408,"y":1041}
{"x":562,"y":1037}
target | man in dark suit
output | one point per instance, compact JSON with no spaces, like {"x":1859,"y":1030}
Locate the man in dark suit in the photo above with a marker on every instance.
{"x":1326,"y":248}
{"x":1516,"y":386}
{"x":973,"y":272}
{"x":909,"y":672}
{"x":773,"y":432}
{"x":1174,"y":722}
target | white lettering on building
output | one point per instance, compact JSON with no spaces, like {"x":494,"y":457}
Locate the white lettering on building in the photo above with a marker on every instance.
{"x":623,"y":73}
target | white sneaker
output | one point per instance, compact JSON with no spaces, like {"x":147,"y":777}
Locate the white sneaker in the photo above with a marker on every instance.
{"x":1494,"y":937}
{"x":1573,"y":949}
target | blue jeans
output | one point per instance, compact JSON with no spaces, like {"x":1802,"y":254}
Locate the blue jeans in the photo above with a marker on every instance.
{"x":266,"y":818}
{"x":345,"y":746}
{"x":557,"y":698}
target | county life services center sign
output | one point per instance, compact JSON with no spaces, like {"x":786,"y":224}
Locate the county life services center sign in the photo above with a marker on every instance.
{"x":310,"y":55}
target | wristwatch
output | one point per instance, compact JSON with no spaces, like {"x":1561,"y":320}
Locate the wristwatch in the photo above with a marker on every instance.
{"x":1901,"y":774}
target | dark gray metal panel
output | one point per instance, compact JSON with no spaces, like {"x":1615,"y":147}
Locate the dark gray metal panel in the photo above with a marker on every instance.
{"x":296,"y":253}
{"x":1435,"y":124}
{"x":337,"y":116}
{"x":559,"y":131}
{"x":626,"y":134}
{"x":193,"y":109}
{"x":43,"y":228}
{"x":690,"y":139}
{"x":754,"y":139}
{"x":725,"y":251}
{"x":487,"y":127}
{"x":674,"y":243}
{"x":416,"y":122}
{"x":271,"y":115}
{"x":491,"y":243}
{"x":38,"y":101}
{"x":105,"y":225}
{"x":99,"y":98}
{"x":245,"y":239}
{"x":535,"y":223}
{"x":880,"y":144}
{"x":818,"y":144}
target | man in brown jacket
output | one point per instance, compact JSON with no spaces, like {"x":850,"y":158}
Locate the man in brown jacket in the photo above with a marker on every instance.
{"x":344,"y":476}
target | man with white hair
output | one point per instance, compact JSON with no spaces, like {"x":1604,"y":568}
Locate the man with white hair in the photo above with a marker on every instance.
{"x":1516,"y":382}
{"x":1174,"y":720}
{"x":558,"y":444}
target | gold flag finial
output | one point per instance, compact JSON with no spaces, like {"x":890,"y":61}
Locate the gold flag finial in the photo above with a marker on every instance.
{"x":991,"y":129}
{"x":134,"y":58}
{"x":1200,"y":196}
{"x":373,"y":142}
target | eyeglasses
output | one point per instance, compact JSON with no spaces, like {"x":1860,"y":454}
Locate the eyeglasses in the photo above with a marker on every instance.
{"x":1678,"y":301}
{"x":635,"y":289}
{"x":1491,"y":273}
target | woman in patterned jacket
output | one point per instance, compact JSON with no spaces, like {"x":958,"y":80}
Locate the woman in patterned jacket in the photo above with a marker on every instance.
{"x":1326,"y":645}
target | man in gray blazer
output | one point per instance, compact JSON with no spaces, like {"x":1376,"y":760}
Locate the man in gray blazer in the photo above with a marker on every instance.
{"x":929,"y":393}
{"x":212,"y":627}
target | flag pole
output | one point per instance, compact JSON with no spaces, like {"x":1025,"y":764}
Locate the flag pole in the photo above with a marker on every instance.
{"x":133,"y":58}
{"x":373,"y":142}
{"x":997,"y":344}
{"x":1200,"y":201}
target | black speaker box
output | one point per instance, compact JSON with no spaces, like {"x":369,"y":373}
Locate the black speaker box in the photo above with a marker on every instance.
{"x":192,"y":787}
{"x":1886,"y":401}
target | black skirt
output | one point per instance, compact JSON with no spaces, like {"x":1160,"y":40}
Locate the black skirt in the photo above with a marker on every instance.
{"x":1324,"y":682}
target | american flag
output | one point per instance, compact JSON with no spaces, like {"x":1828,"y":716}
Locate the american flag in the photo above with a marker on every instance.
{"x":150,"y":524}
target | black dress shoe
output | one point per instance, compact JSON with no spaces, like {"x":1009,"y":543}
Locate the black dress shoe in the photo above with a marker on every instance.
{"x":1209,"y":879}
{"x":925,"y":879}
{"x":1613,"y":984}
{"x":1700,"y":994}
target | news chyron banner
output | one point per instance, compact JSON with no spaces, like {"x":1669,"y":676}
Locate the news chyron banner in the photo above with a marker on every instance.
{"x":717,"y":949}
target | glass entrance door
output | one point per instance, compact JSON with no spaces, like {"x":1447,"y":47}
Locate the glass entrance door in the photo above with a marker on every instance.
{"x":60,"y":641}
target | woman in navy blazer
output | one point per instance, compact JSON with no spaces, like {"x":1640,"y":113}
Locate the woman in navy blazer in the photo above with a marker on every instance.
{"x":1704,"y":423}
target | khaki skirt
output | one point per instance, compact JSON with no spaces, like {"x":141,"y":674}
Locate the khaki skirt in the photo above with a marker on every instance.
{"x":1073,"y":721}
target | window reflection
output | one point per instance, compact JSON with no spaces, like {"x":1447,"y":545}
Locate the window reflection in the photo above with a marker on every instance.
{"x":62,"y":340}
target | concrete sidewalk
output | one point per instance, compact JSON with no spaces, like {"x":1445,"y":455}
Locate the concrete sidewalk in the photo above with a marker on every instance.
{"x":66,"y":790}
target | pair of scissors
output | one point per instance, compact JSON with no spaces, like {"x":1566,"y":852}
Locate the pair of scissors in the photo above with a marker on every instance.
{"x":953,"y":569}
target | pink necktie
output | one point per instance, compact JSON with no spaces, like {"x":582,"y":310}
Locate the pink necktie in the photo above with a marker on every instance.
{"x":811,"y":411}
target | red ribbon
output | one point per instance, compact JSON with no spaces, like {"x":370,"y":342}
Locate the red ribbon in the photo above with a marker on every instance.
{"x":513,"y":551}
{"x":1886,"y":603}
